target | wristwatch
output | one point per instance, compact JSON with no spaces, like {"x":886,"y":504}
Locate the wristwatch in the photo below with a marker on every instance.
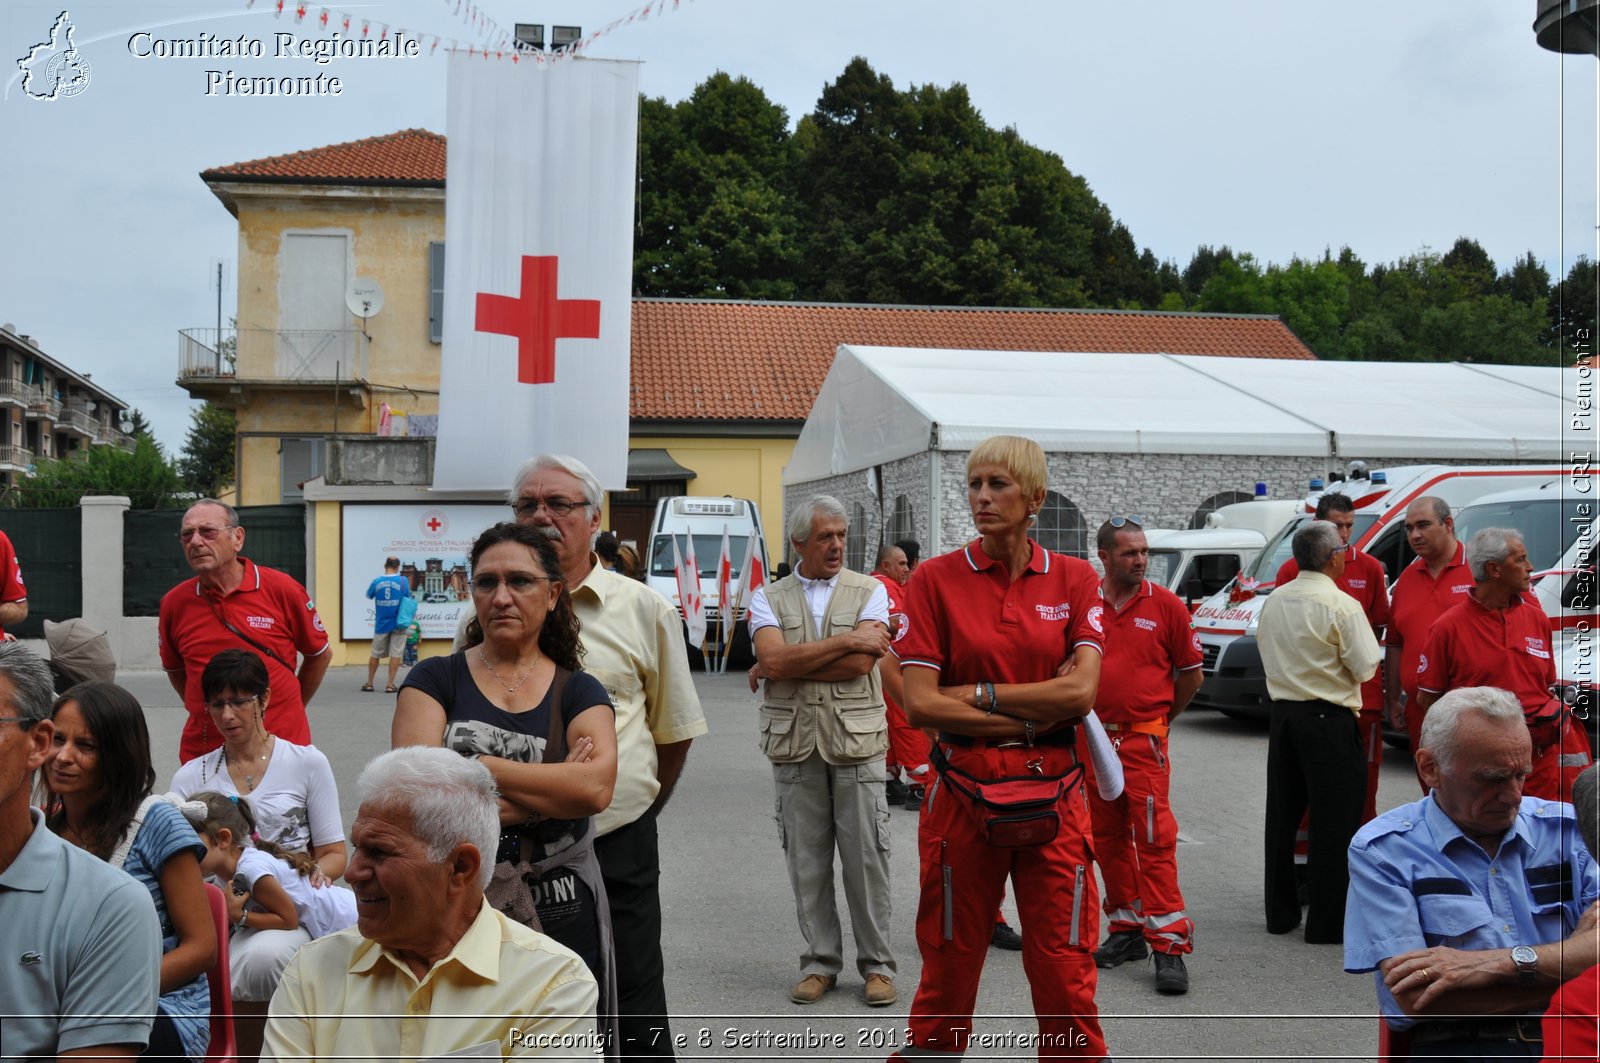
{"x":1527,"y":962}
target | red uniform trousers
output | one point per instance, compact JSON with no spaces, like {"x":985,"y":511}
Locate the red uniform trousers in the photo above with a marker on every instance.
{"x":908,"y":746}
{"x":1136,"y":844}
{"x":1556,"y":766}
{"x":963,"y":878}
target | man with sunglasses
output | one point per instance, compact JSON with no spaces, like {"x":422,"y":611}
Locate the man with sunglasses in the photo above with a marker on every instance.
{"x":1317,"y":648}
{"x":234,"y":603}
{"x":1148,"y":673}
{"x":633,"y":643}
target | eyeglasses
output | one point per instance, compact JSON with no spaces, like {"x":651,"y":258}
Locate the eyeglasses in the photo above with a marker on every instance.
{"x":207,"y":532}
{"x":22,"y":721}
{"x":231,"y":703}
{"x":557,"y":507}
{"x":518,"y":584}
{"x":1122,"y":522}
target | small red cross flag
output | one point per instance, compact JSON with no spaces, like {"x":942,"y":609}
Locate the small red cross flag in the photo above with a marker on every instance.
{"x":538,"y":267}
{"x":753,"y":573}
{"x":693,"y":602}
{"x":724,"y":579}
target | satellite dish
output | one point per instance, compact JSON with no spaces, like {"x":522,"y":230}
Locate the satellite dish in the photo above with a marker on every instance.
{"x":364,"y":297}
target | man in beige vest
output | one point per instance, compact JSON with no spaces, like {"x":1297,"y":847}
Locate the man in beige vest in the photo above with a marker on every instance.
{"x":818,"y":634}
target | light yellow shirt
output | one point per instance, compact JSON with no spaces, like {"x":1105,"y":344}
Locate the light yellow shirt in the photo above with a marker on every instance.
{"x":633,"y":643}
{"x":343,"y":996}
{"x":1316,"y":644}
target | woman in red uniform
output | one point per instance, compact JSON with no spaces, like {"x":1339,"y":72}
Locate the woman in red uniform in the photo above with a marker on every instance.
{"x":1003,"y":657}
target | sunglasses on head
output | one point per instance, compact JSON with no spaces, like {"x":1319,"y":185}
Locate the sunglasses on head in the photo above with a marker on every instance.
{"x":1122,"y":522}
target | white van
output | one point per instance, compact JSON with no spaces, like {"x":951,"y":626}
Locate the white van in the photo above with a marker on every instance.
{"x":1196,"y":563}
{"x":704,"y":519}
{"x":1235,"y":683}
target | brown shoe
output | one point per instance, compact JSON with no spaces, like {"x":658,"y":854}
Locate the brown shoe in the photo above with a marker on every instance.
{"x":809,"y":989}
{"x":880,"y":990}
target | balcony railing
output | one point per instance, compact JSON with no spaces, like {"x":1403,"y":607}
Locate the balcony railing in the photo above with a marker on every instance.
{"x":42,"y":405}
{"x":104,"y":435}
{"x":15,"y":457}
{"x":80,"y":421}
{"x":15,"y":391}
{"x":272,"y":355}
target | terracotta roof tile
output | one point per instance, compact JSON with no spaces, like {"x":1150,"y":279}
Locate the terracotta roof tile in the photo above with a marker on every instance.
{"x":410,"y":157}
{"x":712,"y":360}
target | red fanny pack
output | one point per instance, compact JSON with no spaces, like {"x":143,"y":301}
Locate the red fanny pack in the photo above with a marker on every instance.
{"x":1018,"y":810}
{"x":1544,"y":722}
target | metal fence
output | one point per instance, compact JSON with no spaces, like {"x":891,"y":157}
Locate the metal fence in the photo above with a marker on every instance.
{"x":49,"y":545}
{"x":153,"y":561}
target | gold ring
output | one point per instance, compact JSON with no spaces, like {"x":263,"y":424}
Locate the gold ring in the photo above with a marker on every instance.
{"x":1427,"y":975}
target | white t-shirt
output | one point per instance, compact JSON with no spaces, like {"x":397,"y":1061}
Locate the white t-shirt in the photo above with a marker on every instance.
{"x":818,"y":594}
{"x":296,"y":804}
{"x":322,"y":909}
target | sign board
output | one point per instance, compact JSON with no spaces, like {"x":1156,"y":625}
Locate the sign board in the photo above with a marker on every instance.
{"x":432,"y":543}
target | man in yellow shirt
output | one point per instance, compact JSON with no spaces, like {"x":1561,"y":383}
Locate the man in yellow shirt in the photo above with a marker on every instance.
{"x":1317,"y":648}
{"x":430,"y":969}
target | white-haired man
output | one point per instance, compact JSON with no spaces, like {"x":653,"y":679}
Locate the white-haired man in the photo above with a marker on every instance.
{"x":633,"y":643}
{"x":1499,"y":635}
{"x":430,"y":969}
{"x":1474,"y":903}
{"x":818,"y":634}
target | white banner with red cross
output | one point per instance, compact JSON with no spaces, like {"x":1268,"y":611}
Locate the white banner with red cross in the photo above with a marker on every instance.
{"x":538,"y":275}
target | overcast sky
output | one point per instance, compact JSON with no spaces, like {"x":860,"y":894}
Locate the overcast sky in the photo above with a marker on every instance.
{"x":1275,"y":128}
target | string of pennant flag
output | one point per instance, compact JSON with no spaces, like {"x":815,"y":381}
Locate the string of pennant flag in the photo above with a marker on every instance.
{"x":493,"y":41}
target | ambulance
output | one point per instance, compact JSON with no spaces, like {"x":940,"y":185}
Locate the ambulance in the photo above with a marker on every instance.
{"x":1235,"y":683}
{"x":1195,"y":563}
{"x":700,"y":520}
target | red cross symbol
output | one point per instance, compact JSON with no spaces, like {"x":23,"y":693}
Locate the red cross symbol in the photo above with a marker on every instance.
{"x":434,"y":524}
{"x":537,"y":319}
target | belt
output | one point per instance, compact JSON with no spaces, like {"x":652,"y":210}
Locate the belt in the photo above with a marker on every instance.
{"x":1522,"y":1028}
{"x":1139,"y":727}
{"x":1063,"y":737}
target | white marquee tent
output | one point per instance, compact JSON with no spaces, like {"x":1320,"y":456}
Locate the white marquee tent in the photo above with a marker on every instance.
{"x":880,"y":404}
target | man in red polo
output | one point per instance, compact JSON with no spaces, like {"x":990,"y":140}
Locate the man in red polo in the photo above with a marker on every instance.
{"x":908,"y":746}
{"x":233,"y":603}
{"x":1500,"y":637}
{"x":13,"y":595}
{"x":1438,"y":579}
{"x":1364,"y":580}
{"x":1148,"y":643}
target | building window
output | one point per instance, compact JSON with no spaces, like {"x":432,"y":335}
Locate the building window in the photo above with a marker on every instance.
{"x":1216,"y":502}
{"x":855,"y":541}
{"x":1061,"y":526}
{"x":299,"y":460}
{"x":436,"y":291}
{"x":903,"y":524}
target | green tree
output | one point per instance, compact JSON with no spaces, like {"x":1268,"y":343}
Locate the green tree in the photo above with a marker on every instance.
{"x":139,"y":427}
{"x":206,"y":463}
{"x":143,"y":474}
{"x":1572,"y":309}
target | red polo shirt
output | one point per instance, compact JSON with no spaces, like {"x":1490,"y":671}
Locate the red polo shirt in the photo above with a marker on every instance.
{"x":897,"y":605}
{"x":971,"y":623}
{"x":11,"y":587}
{"x":1364,"y":580}
{"x":1419,"y":600}
{"x":1475,"y":646}
{"x":1146,"y":641}
{"x":272,"y":609}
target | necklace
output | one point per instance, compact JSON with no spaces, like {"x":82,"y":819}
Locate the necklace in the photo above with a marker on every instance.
{"x":511,"y":688}
{"x":249,"y":779}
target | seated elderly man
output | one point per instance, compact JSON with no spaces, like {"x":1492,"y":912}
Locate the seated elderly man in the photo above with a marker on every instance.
{"x":1475,"y":902}
{"x":429,"y":969}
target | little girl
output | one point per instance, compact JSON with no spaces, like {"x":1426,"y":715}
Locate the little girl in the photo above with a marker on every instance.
{"x":272,"y":904}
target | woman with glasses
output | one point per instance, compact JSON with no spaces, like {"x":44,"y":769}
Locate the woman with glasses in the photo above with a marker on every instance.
{"x":291,"y":792}
{"x":516,"y":699}
{"x":1002,"y":658}
{"x":96,"y":785}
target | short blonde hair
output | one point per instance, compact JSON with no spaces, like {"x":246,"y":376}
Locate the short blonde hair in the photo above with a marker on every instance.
{"x":1021,"y":457}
